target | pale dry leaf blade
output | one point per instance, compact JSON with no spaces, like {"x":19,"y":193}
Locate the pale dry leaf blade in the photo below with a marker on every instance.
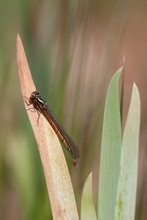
{"x":53,"y":161}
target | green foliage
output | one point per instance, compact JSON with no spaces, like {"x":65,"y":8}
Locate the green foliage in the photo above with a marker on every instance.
{"x":87,"y":205}
{"x":118,"y":162}
{"x":110,"y":153}
{"x":126,"y":195}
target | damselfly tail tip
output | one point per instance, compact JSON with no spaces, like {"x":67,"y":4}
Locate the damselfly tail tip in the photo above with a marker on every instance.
{"x":75,"y":163}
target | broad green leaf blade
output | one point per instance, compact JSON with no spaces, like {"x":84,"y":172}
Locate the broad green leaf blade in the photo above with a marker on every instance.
{"x":126,"y":196}
{"x":110,"y":153}
{"x":87,"y":205}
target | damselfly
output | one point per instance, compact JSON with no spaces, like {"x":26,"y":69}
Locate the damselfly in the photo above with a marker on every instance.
{"x":41,"y":106}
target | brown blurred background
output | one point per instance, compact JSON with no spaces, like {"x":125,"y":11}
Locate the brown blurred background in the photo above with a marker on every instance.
{"x":73,"y":49}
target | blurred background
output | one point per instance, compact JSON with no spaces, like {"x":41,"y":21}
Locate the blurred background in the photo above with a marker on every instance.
{"x":73,"y":49}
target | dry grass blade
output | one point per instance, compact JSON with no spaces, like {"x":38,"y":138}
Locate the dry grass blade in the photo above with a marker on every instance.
{"x":54,"y":165}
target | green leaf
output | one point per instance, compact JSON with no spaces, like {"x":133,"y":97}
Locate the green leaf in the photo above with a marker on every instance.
{"x":87,"y":206}
{"x":126,"y":196}
{"x":110,"y":153}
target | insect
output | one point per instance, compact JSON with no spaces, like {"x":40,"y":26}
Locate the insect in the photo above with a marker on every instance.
{"x":41,"y":106}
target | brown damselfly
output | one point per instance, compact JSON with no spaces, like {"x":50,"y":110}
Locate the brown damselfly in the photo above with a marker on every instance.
{"x":41,"y":106}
